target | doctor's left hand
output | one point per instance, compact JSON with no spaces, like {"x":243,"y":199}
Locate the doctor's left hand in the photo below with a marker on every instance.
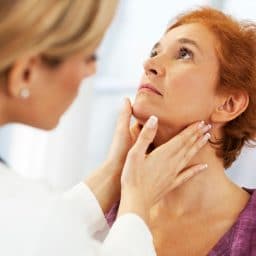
{"x":105,"y":181}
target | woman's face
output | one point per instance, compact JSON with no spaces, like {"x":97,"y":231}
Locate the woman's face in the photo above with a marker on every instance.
{"x":180,"y":78}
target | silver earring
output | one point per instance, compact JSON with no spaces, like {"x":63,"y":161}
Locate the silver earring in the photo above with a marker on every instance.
{"x":24,"y":93}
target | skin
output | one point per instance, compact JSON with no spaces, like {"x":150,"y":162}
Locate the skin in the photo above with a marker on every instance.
{"x":187,"y":79}
{"x":52,"y":90}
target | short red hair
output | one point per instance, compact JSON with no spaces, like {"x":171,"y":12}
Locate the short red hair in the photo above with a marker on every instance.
{"x":237,"y":70}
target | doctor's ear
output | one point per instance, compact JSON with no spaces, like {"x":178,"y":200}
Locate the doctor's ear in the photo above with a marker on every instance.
{"x":230,"y":106}
{"x":19,"y":80}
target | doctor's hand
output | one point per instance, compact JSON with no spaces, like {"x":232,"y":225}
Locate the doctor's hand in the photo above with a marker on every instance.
{"x":105,"y":181}
{"x":146,"y":178}
{"x":124,"y":138}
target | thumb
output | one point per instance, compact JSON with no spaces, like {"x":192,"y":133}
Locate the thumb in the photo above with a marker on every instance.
{"x":146,"y":135}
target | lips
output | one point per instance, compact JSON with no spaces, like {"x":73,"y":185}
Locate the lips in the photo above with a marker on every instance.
{"x":151,"y":88}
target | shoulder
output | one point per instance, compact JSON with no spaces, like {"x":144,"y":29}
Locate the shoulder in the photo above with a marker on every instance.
{"x":247,"y":218}
{"x":244,"y":230}
{"x":250,"y":209}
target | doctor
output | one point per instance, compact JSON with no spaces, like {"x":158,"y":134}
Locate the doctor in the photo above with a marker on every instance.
{"x":46,"y":49}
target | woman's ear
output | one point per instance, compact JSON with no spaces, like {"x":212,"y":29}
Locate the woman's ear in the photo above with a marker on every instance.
{"x":19,"y":80}
{"x":230,"y":106}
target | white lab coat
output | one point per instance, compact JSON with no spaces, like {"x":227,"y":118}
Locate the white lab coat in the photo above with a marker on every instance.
{"x":34,"y":222}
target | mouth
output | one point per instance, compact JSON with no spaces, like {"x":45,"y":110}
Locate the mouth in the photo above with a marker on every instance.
{"x":150,"y":88}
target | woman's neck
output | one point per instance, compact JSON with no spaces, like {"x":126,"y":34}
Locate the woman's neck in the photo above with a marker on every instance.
{"x":204,"y":191}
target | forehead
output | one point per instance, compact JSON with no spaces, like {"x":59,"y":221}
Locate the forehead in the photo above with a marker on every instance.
{"x":197,"y":32}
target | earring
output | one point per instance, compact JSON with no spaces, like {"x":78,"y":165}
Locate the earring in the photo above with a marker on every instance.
{"x":24,"y":93}
{"x":220,"y":107}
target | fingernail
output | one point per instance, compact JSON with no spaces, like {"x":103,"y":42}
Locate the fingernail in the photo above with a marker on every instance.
{"x":206,"y":128}
{"x":152,"y":121}
{"x":202,"y":167}
{"x":207,"y":136}
{"x":201,"y":124}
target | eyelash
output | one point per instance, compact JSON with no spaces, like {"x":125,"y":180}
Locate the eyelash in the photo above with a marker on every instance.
{"x":187,"y":51}
{"x":153,"y":53}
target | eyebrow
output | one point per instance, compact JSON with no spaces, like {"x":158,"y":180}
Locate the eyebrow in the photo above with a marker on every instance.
{"x":189,"y":41}
{"x":156,"y":45}
{"x":182,"y":41}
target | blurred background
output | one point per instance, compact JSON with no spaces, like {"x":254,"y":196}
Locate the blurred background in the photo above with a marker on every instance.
{"x":64,"y":156}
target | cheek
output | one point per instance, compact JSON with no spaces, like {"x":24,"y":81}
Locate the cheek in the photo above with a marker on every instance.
{"x":71,"y":78}
{"x":91,"y":69}
{"x":190,"y":94}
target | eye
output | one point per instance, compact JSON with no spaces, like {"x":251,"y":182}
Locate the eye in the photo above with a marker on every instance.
{"x":185,"y":54}
{"x":153,"y":53}
{"x":91,"y":58}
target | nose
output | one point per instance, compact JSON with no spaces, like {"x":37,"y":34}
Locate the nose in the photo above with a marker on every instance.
{"x":153,"y":69}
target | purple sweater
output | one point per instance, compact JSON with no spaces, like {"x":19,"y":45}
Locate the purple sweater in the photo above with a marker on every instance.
{"x":239,"y":240}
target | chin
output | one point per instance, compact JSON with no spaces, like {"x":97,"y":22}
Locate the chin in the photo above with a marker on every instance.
{"x":143,"y":110}
{"x":49,"y":127}
{"x":46,"y":125}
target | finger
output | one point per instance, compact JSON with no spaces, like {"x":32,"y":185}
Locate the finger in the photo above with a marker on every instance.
{"x":188,"y":173}
{"x":146,"y":135}
{"x":190,"y":134}
{"x":187,"y":153}
{"x":196,"y":136}
{"x":187,"y":137}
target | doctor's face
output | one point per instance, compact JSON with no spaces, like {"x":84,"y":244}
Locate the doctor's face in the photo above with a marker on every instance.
{"x":180,"y":78}
{"x":53,"y":89}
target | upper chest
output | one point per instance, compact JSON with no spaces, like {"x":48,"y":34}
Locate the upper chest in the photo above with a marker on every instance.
{"x":188,"y":237}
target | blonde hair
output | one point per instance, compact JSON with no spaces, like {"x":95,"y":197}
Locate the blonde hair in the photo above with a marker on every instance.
{"x":53,"y":28}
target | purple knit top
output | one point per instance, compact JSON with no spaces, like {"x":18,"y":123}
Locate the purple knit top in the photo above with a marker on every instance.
{"x":239,"y":240}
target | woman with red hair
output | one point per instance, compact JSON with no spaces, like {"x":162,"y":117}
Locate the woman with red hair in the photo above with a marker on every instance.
{"x":203,"y":68}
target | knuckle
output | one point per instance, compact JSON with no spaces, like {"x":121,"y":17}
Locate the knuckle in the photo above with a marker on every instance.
{"x":186,"y":178}
{"x":191,"y":152}
{"x":189,"y":132}
{"x":197,"y":146}
{"x":180,"y":141}
{"x":183,"y":139}
{"x":194,"y":137}
{"x":132,"y":154}
{"x":145,"y":136}
{"x":191,"y":155}
{"x":186,"y":157}
{"x":178,"y":168}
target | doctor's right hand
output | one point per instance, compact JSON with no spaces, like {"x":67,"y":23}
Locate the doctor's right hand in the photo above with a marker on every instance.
{"x":146,"y":178}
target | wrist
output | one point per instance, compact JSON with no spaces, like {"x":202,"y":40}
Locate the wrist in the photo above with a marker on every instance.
{"x":113,"y":167}
{"x":133,"y":201}
{"x":105,"y":185}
